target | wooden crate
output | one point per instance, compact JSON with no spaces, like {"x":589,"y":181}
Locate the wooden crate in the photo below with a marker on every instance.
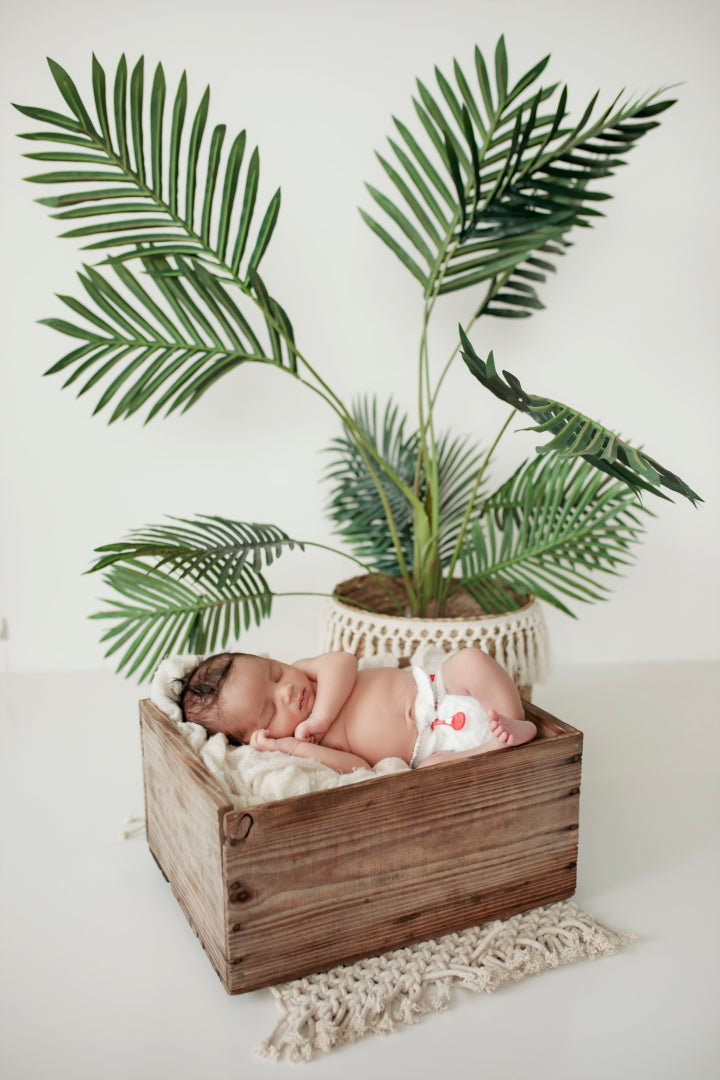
{"x":297,"y":886}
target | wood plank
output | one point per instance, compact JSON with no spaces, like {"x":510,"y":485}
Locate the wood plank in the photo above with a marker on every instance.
{"x":330,"y":877}
{"x":184,"y":809}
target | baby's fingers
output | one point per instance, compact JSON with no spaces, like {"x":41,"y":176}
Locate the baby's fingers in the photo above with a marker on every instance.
{"x":260,"y":740}
{"x":305,"y":732}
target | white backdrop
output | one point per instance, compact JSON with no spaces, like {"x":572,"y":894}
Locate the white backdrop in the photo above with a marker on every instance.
{"x":629,"y":335}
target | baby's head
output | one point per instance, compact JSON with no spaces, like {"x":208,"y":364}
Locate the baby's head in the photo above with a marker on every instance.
{"x":238,"y":694}
{"x":199,"y":696}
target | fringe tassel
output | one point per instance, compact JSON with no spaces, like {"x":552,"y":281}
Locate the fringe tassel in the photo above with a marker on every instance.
{"x":375,"y":996}
{"x":518,"y":640}
{"x":136,"y":826}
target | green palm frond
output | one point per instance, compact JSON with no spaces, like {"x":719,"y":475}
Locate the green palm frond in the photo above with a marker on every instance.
{"x":189,"y":586}
{"x":164,"y":342}
{"x":576,"y":435}
{"x":206,"y":544}
{"x":497,"y":179}
{"x":551,"y":530}
{"x":515,"y":295}
{"x":355,"y":505}
{"x":133,"y":183}
{"x":143,"y":192}
{"x":157,"y":615}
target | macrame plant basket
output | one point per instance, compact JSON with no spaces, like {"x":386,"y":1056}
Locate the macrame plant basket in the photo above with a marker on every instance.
{"x":518,"y":640}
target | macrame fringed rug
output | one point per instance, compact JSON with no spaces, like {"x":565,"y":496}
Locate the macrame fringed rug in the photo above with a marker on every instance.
{"x":321,"y":1012}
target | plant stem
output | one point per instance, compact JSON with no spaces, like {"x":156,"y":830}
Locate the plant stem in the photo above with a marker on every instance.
{"x":447,"y":582}
{"x":427,"y":569}
{"x":426,"y":526}
{"x":493,"y":289}
{"x":371,"y":573}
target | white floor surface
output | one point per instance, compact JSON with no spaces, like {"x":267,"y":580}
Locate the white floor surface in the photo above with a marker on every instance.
{"x":102,"y":977}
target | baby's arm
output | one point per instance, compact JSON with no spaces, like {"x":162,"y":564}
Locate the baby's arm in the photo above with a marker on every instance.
{"x":334,"y":675}
{"x":338,"y":760}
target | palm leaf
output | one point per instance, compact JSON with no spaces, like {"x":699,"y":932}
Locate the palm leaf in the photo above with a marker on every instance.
{"x":495,"y":177}
{"x":129,"y":205}
{"x":188,"y":586}
{"x":551,"y":530}
{"x":355,"y":505}
{"x":160,"y":615}
{"x":205,"y":545}
{"x":278,"y":325}
{"x":133,"y":156}
{"x":576,"y":435}
{"x":163,"y":344}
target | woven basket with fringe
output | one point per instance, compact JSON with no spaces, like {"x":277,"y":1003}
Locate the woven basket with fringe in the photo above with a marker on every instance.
{"x":518,"y":640}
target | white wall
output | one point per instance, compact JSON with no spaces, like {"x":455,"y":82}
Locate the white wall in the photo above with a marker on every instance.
{"x":629,"y":335}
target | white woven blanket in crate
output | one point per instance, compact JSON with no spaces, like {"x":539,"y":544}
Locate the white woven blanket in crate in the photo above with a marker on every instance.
{"x":247,"y":776}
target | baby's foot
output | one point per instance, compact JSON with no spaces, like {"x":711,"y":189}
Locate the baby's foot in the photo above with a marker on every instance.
{"x":511,"y":732}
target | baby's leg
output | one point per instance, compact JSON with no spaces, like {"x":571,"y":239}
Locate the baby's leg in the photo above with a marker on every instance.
{"x":506,"y":732}
{"x":471,"y":671}
{"x":510,"y":731}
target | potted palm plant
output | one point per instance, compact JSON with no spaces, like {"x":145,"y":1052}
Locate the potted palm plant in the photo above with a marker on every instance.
{"x":484,"y":193}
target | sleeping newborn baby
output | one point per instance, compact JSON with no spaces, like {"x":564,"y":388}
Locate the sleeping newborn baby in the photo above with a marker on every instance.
{"x":325,"y":708}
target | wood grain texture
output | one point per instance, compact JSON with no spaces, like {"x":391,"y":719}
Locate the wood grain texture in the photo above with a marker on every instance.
{"x":184,"y":810}
{"x":328,"y":878}
{"x":293,"y":887}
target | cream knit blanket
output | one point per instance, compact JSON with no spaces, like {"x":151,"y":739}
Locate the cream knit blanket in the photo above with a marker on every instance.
{"x":250,"y":777}
{"x":321,"y":1012}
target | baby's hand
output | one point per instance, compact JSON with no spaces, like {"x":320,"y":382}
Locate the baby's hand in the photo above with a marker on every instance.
{"x":260,"y":740}
{"x":312,"y":729}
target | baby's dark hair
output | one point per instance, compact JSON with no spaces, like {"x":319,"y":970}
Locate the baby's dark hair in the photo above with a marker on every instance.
{"x":198,"y":696}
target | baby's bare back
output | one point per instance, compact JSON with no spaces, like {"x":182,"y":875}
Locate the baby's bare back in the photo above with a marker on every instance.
{"x":377,"y":720}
